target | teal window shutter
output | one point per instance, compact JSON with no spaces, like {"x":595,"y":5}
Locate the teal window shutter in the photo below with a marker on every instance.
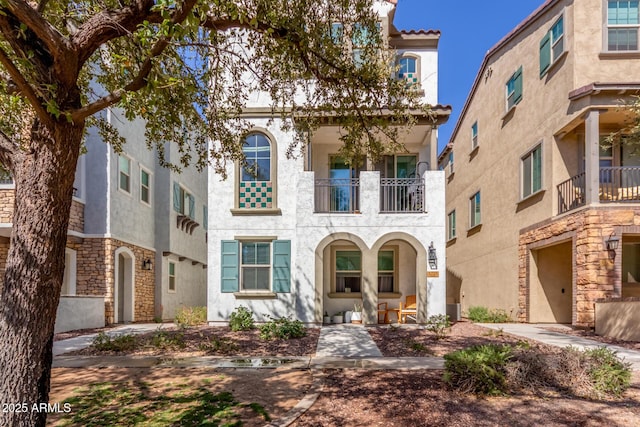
{"x":517,"y":95}
{"x":545,"y":54}
{"x":192,"y":207}
{"x":176,"y":197}
{"x":282,"y":266}
{"x":230,"y":269}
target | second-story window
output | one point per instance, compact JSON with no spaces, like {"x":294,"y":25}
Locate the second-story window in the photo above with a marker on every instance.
{"x":451,"y":225}
{"x":145,"y":186}
{"x":474,"y":210}
{"x":256,"y":175}
{"x":514,"y":89}
{"x":183,"y":202}
{"x":124,"y":173}
{"x":623,"y":23}
{"x":532,"y":172}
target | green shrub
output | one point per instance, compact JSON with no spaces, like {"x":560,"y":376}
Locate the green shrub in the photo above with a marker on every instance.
{"x":282,"y":328}
{"x":241,"y":319}
{"x":190,"y":316}
{"x":438,"y":324}
{"x":481,"y":314}
{"x":118,"y":343}
{"x":168,"y":340}
{"x":478,"y":369}
{"x":609,"y":375}
{"x":219,"y":345}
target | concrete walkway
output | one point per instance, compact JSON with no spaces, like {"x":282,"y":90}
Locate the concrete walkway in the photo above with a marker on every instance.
{"x":84,"y":341}
{"x":346,"y":340}
{"x":537,"y":332}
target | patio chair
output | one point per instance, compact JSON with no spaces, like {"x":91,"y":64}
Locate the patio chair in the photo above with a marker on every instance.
{"x":384,"y":311}
{"x":409,"y":309}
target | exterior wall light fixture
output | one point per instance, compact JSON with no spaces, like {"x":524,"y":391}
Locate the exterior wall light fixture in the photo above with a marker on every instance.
{"x":433,"y":258}
{"x":612,"y":244}
{"x":147,"y":264}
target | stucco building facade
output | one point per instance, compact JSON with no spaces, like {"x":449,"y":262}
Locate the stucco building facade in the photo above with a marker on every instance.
{"x":535,"y":200}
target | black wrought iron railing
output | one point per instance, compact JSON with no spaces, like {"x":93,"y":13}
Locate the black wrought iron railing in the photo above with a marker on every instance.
{"x":401,"y":195}
{"x":337,"y":195}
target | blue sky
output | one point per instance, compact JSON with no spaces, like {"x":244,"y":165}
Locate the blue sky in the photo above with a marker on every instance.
{"x":469,"y":29}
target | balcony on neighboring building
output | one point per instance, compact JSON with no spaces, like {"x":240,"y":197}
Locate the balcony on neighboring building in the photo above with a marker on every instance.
{"x":618,"y":184}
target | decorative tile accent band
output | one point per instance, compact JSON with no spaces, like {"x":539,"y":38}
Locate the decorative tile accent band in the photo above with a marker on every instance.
{"x":256,"y":195}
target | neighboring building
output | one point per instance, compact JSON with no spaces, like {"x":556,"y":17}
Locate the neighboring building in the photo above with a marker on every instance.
{"x":311,"y":235}
{"x":534,"y":199}
{"x":136,"y":247}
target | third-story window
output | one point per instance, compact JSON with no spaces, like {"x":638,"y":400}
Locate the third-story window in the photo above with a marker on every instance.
{"x":474,"y":210}
{"x":474,"y":135}
{"x":532,"y":172}
{"x":145,"y":186}
{"x":551,"y":46}
{"x":514,"y":89}
{"x":623,"y":23}
{"x":183,"y":202}
{"x":451,"y":225}
{"x":408,"y":70}
{"x":124,"y":173}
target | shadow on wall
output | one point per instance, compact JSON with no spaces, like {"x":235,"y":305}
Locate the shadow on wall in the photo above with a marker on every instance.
{"x":454,"y":284}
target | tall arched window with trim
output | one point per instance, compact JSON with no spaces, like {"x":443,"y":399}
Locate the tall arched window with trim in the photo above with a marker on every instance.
{"x":256,"y":184}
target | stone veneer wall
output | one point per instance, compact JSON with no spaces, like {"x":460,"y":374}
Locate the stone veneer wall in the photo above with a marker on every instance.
{"x":595,"y":275}
{"x":96,"y":275}
{"x":7,"y":198}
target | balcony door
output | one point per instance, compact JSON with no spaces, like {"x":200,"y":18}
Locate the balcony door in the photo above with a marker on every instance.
{"x":403,"y":166}
{"x":399,"y":182}
{"x":343,"y":185}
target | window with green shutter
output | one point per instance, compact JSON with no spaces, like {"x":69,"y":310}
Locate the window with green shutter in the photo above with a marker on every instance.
{"x":552,"y":46}
{"x":532,"y":172}
{"x":514,"y":89}
{"x":256,"y":266}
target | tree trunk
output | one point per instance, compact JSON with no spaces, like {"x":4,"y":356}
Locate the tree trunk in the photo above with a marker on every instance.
{"x":29,"y":297}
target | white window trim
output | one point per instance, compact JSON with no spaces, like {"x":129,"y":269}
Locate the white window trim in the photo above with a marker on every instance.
{"x":120,"y":171}
{"x":450,"y":235}
{"x":562,"y":38}
{"x":169,"y":276}
{"x":522,"y":158}
{"x":268,"y":266}
{"x":148,"y":172}
{"x":396,"y":283}
{"x":472,"y":210}
{"x":185,"y":208}
{"x":605,"y":32}
{"x":474,"y":138}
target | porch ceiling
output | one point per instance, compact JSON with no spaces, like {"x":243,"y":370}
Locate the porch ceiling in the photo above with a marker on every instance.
{"x":611,"y":119}
{"x":419,"y":134}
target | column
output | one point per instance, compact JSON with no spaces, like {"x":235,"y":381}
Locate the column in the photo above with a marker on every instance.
{"x":592,"y":156}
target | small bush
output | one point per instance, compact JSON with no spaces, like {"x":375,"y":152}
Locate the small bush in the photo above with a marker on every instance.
{"x":168,"y":340}
{"x":219,"y":345}
{"x":282,"y":328}
{"x":190,"y":316}
{"x":241,"y":319}
{"x":438,"y":324}
{"x":479,"y":369}
{"x":118,"y":343}
{"x":609,"y":375}
{"x":481,"y":314}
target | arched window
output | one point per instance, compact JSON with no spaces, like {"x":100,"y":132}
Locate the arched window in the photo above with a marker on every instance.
{"x":257,"y":151}
{"x":409,"y":70}
{"x":257,"y":174}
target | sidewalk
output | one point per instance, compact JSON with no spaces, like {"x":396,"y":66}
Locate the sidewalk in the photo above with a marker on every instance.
{"x":339,"y":346}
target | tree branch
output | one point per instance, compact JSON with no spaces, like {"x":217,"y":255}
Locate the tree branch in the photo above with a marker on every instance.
{"x":7,"y":148}
{"x":55,"y":42}
{"x":110,"y":24}
{"x":24,"y":87}
{"x":139,"y":80}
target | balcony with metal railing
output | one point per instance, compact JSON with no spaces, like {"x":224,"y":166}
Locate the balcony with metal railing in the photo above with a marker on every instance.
{"x":337,"y":195}
{"x":618,"y":184}
{"x":402,"y":195}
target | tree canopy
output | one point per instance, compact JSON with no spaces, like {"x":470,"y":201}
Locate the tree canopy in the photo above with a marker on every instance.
{"x":189,"y":68}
